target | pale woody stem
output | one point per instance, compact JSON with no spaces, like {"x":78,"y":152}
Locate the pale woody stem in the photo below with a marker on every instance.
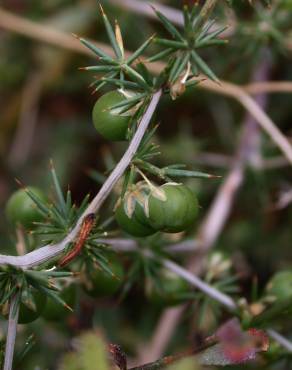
{"x":49,"y":252}
{"x":11,"y":333}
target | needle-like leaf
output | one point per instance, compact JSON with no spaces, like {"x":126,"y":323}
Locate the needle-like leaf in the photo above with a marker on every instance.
{"x":140,"y":50}
{"x":169,"y":26}
{"x":111,"y":34}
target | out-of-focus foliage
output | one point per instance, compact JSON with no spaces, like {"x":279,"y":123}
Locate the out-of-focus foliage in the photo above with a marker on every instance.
{"x":91,"y":353}
{"x":185,"y":364}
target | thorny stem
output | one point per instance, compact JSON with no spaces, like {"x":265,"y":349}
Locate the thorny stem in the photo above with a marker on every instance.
{"x":253,"y":108}
{"x":197,"y":282}
{"x":11,"y":333}
{"x":123,"y":245}
{"x":200,"y":284}
{"x":49,"y":252}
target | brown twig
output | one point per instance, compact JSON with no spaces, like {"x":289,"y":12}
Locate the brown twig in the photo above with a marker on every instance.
{"x":169,"y":360}
{"x":255,"y":110}
{"x":43,"y":33}
{"x":268,"y":86}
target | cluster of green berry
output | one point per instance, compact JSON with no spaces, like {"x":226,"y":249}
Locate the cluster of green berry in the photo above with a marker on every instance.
{"x":143,"y":210}
{"x":172,"y":213}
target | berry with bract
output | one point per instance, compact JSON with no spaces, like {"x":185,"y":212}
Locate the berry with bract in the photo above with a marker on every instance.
{"x":130,"y":213}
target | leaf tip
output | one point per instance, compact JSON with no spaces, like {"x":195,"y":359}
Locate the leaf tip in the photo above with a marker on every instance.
{"x":101,"y":10}
{"x":76,"y":36}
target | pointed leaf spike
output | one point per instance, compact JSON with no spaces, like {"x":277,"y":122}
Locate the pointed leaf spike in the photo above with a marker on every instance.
{"x":101,"y":9}
{"x":119,"y":38}
{"x":111,"y":34}
{"x":140,"y":50}
{"x":204,"y":67}
{"x":175,"y":172}
{"x":169,"y":26}
{"x":42,"y":206}
{"x":174,"y":44}
{"x":136,"y":76}
{"x":94,"y":49}
{"x":162,"y":54}
{"x":58,"y":189}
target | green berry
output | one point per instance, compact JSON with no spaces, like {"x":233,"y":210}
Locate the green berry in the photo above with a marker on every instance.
{"x":21,"y":209}
{"x":110,"y":124}
{"x":177,"y":212}
{"x":137,"y":225}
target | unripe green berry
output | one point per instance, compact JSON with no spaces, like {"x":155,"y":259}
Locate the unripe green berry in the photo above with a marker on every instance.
{"x":177,"y":212}
{"x":137,"y":225}
{"x":21,"y":209}
{"x":110,"y":124}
